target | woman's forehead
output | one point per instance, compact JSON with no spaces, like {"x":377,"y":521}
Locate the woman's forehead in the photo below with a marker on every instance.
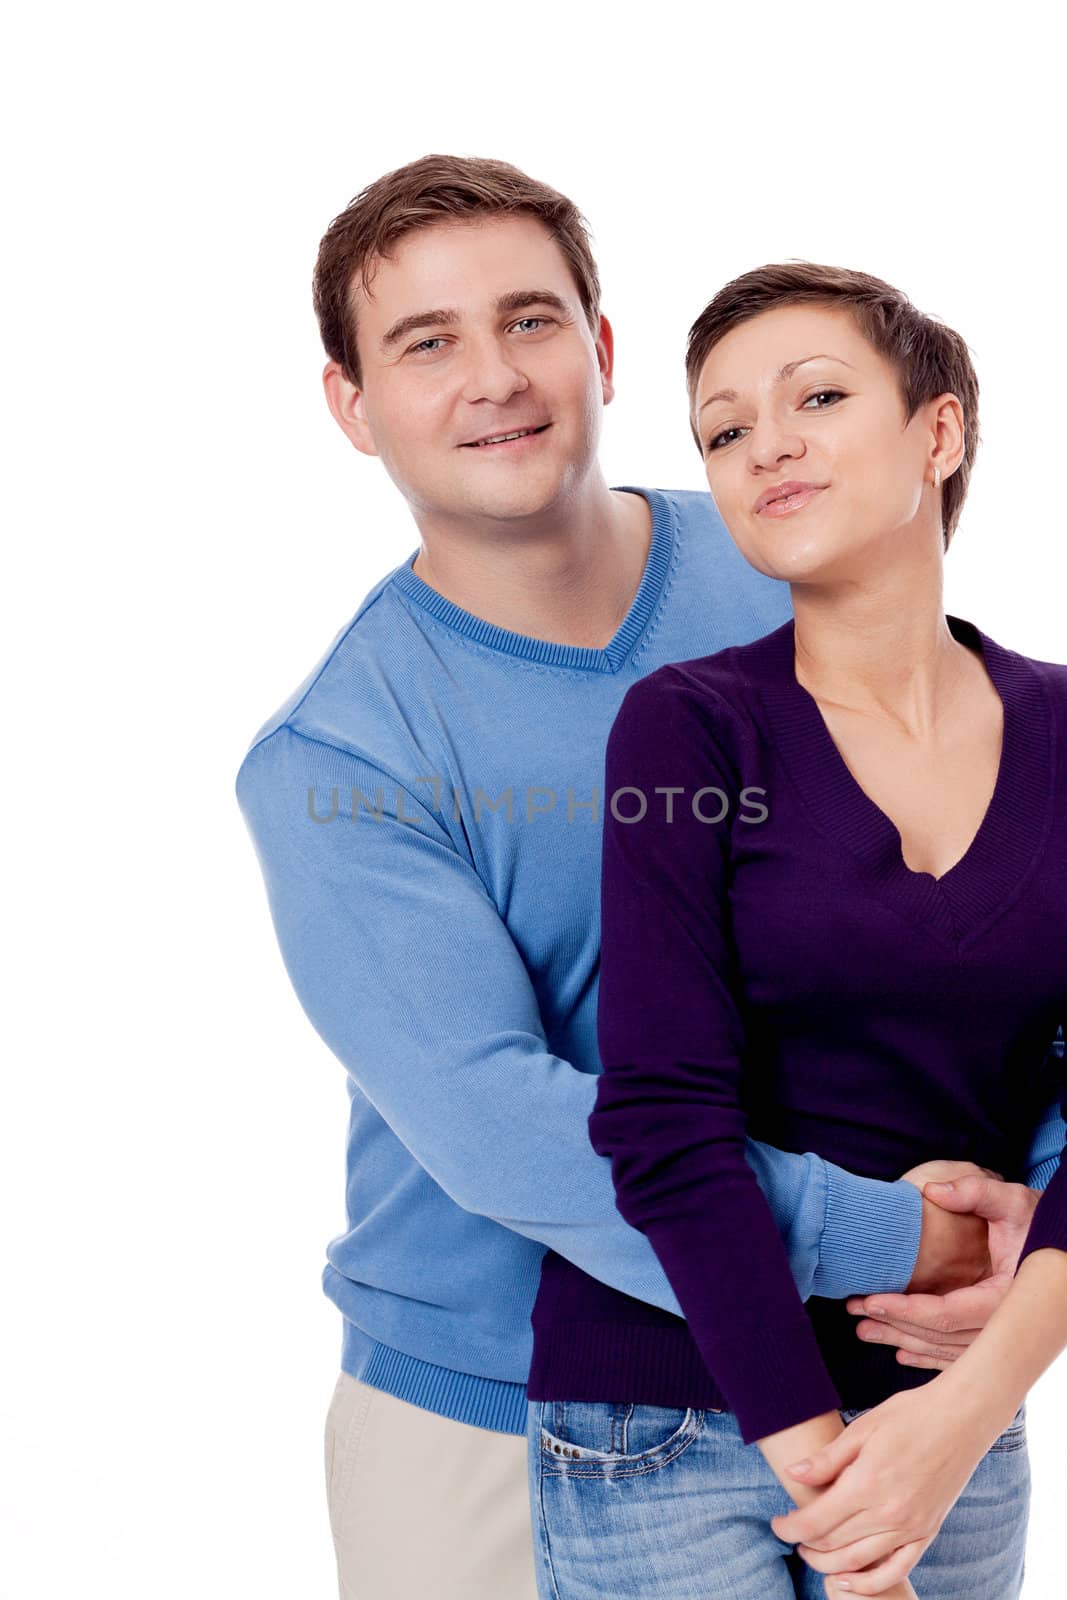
{"x":775,"y":343}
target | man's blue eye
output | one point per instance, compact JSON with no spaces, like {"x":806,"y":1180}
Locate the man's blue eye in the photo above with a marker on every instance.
{"x":424,"y":344}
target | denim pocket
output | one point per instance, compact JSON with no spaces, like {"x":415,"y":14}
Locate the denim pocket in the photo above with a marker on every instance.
{"x":595,"y":1435}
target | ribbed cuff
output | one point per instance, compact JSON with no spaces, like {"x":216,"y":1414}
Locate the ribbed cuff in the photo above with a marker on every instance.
{"x":870,"y":1240}
{"x":1040,"y":1177}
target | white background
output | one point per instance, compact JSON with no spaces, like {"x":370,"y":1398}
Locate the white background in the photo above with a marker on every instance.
{"x":188,"y":530}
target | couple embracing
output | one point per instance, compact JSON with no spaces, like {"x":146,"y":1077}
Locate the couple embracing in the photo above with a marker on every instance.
{"x":651,"y":1091}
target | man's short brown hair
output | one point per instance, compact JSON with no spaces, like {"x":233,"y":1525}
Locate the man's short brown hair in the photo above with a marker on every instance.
{"x":929,"y":358}
{"x":435,"y":189}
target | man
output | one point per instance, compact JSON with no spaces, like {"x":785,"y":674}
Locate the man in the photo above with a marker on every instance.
{"x":426,"y":810}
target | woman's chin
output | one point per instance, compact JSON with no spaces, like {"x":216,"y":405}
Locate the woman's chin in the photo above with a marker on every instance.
{"x":803,"y":564}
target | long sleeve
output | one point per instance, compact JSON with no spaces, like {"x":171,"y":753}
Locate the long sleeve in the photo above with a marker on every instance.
{"x":404,"y":966}
{"x":670,"y":1103}
{"x":852,"y":1235}
{"x":1048,"y":1225}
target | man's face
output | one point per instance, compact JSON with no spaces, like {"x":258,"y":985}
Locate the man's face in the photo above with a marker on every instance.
{"x":836,"y":421}
{"x":472,"y":330}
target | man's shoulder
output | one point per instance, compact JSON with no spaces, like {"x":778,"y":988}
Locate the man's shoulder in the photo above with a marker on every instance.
{"x":695,"y":511}
{"x":712,"y":558}
{"x":347,"y":700}
{"x":698,"y":503}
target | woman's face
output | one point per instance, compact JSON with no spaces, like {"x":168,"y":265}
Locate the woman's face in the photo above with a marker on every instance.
{"x":808,"y":400}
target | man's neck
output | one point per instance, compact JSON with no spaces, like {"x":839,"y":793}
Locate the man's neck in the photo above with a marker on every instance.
{"x":570,"y":581}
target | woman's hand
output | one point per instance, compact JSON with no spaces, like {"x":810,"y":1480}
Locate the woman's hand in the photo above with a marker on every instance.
{"x":806,"y":1439}
{"x":933,"y":1330}
{"x":891,"y":1479}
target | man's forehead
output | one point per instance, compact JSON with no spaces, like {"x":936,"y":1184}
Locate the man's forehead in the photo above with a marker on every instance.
{"x":460,"y":264}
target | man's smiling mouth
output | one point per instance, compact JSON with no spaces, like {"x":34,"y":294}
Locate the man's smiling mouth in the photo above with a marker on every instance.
{"x":504,"y":438}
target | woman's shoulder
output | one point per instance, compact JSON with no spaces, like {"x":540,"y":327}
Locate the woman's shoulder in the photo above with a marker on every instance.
{"x":704,"y":708}
{"x":724,"y":681}
{"x":1053,"y":674}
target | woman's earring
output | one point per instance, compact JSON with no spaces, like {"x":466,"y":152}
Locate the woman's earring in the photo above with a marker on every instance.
{"x":937,"y":477}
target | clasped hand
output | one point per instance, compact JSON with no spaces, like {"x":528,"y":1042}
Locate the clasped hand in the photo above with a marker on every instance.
{"x":972,"y":1237}
{"x":890,"y":1479}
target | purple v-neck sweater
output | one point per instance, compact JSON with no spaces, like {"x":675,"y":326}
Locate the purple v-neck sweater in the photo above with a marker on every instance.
{"x":770,"y":965}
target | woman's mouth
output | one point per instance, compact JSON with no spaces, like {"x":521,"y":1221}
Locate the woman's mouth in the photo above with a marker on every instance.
{"x":791,"y":502}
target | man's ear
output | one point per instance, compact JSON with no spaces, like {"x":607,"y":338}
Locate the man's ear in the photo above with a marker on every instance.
{"x":605,"y":349}
{"x":347,"y":408}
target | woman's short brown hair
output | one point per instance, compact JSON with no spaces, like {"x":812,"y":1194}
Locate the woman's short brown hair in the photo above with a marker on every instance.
{"x":929,"y":358}
{"x":435,"y":189}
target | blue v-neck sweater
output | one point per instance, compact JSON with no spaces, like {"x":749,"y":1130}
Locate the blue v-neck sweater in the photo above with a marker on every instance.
{"x":771,"y":967}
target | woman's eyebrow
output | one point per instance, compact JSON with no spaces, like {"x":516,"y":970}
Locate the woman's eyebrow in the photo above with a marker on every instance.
{"x":783,"y":372}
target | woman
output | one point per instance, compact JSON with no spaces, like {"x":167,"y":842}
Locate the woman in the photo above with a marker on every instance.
{"x":834,"y":909}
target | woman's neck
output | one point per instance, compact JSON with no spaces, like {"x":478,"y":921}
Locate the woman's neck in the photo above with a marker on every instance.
{"x":883,"y":651}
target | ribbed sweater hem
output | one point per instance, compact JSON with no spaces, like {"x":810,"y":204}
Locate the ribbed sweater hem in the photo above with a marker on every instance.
{"x":483,"y":1402}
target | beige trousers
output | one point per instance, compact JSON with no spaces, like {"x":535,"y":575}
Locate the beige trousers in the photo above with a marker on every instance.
{"x":422,"y":1507}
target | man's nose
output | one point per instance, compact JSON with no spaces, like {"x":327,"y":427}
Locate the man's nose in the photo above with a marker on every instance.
{"x":491,"y":373}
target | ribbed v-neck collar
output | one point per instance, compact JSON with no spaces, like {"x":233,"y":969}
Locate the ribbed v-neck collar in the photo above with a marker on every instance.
{"x":1017,"y":820}
{"x":608,"y":659}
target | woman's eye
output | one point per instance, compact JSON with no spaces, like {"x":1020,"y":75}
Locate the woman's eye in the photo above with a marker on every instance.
{"x":715,"y":443}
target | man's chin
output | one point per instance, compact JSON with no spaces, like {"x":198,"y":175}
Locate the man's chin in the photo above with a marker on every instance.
{"x":520,"y":497}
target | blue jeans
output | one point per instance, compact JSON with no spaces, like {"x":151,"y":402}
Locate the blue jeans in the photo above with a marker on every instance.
{"x":637,"y":1502}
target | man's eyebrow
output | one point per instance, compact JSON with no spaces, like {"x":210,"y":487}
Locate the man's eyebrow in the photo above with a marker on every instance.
{"x":447,"y":318}
{"x":783,"y":372}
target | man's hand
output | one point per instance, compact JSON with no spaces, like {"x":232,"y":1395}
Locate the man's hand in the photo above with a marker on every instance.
{"x":953,"y":1249}
{"x":931,"y":1328}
